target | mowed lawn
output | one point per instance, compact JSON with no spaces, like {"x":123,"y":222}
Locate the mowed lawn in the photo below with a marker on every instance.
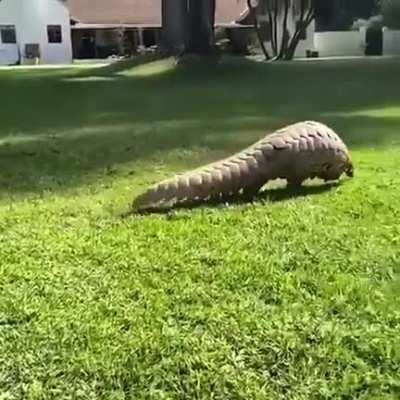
{"x":294,"y":296}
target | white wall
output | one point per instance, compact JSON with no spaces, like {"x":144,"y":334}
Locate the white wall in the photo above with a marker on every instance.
{"x":31,"y":18}
{"x":9,"y":54}
{"x":9,"y":11}
{"x":35,"y":16}
{"x":391,"y":42}
{"x":340,"y":44}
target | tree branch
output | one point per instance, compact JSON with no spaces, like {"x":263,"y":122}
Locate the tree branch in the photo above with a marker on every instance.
{"x":276,"y":9}
{"x":284,"y":41}
{"x":253,"y":13}
{"x":271,"y":27}
{"x":305,"y":23}
{"x":296,"y":36}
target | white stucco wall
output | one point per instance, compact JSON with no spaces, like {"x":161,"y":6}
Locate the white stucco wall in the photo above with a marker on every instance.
{"x":9,"y":54}
{"x":31,"y":18}
{"x":9,"y":11}
{"x":391,"y":42}
{"x":340,"y":44}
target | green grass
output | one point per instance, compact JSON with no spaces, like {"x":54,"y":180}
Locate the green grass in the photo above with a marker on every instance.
{"x":295,"y":296}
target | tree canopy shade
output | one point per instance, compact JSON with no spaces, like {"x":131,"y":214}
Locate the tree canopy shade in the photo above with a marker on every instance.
{"x":391,"y":13}
{"x":188,"y":26}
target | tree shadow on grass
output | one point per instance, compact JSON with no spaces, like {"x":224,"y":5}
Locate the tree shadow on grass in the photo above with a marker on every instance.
{"x":54,"y":164}
{"x":68,"y":132}
{"x":283,"y":90}
{"x":265,"y":196}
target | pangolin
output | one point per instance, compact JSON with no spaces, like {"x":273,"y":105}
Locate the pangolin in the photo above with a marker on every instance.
{"x":296,"y":152}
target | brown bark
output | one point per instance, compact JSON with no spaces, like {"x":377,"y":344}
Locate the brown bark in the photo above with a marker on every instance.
{"x":201,"y":26}
{"x":188,"y":26}
{"x":175,"y":26}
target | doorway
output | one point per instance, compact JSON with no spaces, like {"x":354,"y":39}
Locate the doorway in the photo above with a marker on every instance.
{"x":374,"y":42}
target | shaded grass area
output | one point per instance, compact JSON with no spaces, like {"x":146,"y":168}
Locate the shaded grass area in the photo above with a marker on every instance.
{"x":293,"y":296}
{"x":94,"y":122}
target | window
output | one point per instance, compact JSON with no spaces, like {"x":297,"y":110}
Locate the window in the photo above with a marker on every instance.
{"x":149,"y":37}
{"x":7,"y":33}
{"x":54,"y":34}
{"x":32,"y":50}
{"x":301,"y":26}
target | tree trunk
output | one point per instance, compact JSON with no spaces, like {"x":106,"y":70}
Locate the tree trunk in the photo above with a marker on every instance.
{"x":276,"y":13}
{"x":305,"y":21}
{"x":188,"y":26}
{"x":201,"y":26}
{"x":291,"y":50}
{"x":285,"y":38}
{"x":175,"y":23}
{"x":271,"y":27}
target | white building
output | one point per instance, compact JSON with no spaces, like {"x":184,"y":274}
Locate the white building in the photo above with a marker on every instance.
{"x":35,"y":31}
{"x":40,"y":31}
{"x":391,"y":42}
{"x":341,"y":43}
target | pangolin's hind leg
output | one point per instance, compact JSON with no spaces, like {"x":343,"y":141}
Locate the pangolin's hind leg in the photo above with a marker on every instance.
{"x":249,"y":193}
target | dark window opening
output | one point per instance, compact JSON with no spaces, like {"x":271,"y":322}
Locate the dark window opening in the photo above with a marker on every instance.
{"x":374,"y":41}
{"x":54,"y":34}
{"x":84,"y":44}
{"x":32,"y":50}
{"x":149,"y":37}
{"x":8,"y":34}
{"x":302,"y":28}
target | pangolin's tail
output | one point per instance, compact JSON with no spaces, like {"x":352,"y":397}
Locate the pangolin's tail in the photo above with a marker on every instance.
{"x":225,"y":177}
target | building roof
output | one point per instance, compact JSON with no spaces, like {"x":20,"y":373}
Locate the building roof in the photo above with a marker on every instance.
{"x":141,"y":12}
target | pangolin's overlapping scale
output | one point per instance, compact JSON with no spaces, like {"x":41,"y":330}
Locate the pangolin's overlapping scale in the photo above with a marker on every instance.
{"x":296,"y":152}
